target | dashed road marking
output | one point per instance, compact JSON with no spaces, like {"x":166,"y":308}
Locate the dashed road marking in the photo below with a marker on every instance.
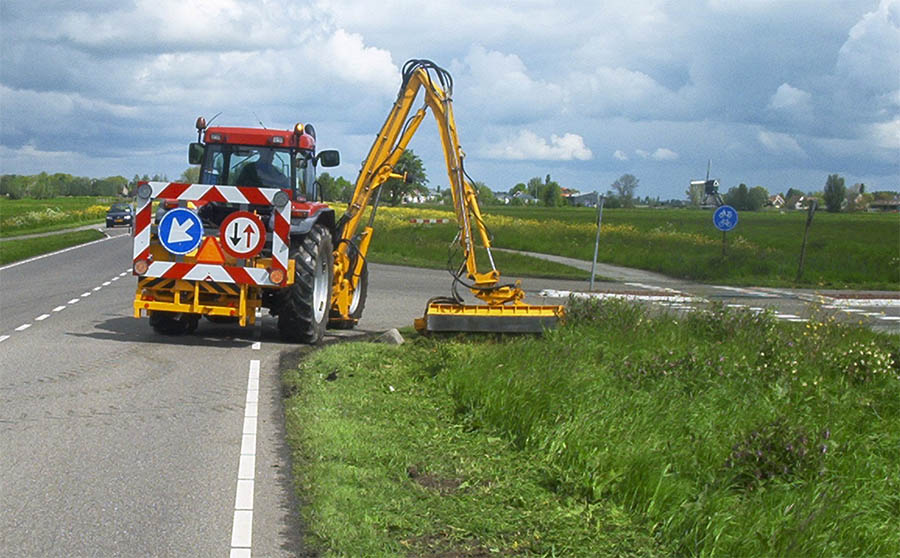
{"x":23,"y":327}
{"x":107,"y":283}
{"x":73,"y":301}
{"x":256,"y":346}
{"x":891,"y":318}
{"x":42,"y":317}
{"x":85,"y":295}
{"x":95,"y":289}
{"x":3,"y":338}
{"x":59,"y":308}
{"x":746,"y":291}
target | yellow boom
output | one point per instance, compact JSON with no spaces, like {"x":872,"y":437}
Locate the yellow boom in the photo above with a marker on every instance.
{"x":503,"y":309}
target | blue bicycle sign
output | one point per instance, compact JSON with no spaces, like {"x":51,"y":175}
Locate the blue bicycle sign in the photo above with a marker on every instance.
{"x":725,"y":218}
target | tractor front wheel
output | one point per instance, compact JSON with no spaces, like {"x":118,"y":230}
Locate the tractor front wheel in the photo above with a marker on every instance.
{"x":303,"y":307}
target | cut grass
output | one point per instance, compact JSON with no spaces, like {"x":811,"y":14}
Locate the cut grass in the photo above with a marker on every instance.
{"x":844,"y":250}
{"x":718,"y":433}
{"x":386,"y":469}
{"x":13,"y":250}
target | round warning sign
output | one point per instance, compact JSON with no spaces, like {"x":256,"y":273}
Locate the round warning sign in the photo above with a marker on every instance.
{"x":242,"y":234}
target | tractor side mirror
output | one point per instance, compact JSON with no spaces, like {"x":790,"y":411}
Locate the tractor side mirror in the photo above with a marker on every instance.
{"x":329,"y":158}
{"x":195,"y":153}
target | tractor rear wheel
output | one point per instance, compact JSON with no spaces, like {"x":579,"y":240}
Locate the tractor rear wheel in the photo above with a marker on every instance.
{"x":357,"y":303}
{"x":303,"y":307}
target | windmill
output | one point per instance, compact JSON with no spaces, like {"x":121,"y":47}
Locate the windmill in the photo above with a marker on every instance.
{"x":711,"y":196}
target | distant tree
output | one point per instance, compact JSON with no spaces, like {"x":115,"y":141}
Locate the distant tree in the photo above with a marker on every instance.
{"x":191,"y":175}
{"x":396,"y":188}
{"x":345,"y":187}
{"x":624,"y":187}
{"x":757,"y":198}
{"x":695,"y":194}
{"x":485,"y":194}
{"x":328,"y":187}
{"x":534,"y":186}
{"x":738,"y":197}
{"x":520,"y":187}
{"x":834,"y":193}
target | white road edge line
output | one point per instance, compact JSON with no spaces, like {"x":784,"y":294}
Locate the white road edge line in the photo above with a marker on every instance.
{"x":242,"y":525}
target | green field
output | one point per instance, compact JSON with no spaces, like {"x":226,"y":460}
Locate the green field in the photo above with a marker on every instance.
{"x":27,"y":216}
{"x":858,"y":250}
{"x":721,"y":433}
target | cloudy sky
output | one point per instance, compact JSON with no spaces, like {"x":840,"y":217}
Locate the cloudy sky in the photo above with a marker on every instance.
{"x":777,"y":93}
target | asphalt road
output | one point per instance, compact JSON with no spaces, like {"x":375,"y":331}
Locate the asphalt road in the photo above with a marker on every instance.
{"x":115,"y":441}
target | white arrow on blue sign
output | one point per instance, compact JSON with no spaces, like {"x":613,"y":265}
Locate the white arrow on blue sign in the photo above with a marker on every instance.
{"x":180,"y":231}
{"x":725,"y":218}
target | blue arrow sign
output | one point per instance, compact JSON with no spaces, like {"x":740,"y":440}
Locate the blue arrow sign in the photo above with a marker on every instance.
{"x":725,"y":218}
{"x":180,"y":231}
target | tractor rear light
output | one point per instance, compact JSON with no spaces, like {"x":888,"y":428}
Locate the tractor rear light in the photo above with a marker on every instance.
{"x":278,"y":140}
{"x":276,"y":276}
{"x":141,"y":267}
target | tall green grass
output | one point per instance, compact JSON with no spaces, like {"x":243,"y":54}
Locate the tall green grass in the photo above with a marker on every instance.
{"x":716,"y":433}
{"x":724,"y":432}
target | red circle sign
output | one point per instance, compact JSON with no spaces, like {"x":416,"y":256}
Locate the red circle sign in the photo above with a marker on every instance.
{"x":243,"y":234}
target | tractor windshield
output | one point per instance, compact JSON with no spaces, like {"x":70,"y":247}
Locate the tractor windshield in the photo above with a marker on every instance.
{"x":240,"y":165}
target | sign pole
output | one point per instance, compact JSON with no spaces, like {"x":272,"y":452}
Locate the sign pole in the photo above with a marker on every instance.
{"x":809,"y":218}
{"x":600,"y":200}
{"x":724,"y":233}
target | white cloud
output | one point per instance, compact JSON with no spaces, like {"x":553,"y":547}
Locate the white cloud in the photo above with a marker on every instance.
{"x":660,"y":154}
{"x":620,"y":155}
{"x":500,"y":85}
{"x":779,"y":144}
{"x":870,"y":57}
{"x":664,"y":154}
{"x":789,"y":98}
{"x":529,"y":146}
{"x":886,"y":134}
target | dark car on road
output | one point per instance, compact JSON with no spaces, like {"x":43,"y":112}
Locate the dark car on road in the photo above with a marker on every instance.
{"x":119,"y":214}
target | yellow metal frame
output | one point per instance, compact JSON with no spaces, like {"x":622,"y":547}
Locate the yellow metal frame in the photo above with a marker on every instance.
{"x":159,"y":294}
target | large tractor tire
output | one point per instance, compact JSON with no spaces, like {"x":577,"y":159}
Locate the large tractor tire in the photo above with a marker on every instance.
{"x":357,"y":304}
{"x":173,"y":323}
{"x":303,"y":307}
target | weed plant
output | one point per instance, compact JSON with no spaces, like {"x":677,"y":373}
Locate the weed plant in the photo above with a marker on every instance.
{"x":722,"y":432}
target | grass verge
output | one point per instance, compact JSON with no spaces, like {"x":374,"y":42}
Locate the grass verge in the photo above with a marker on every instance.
{"x":27,"y":216}
{"x":14,"y":250}
{"x":717,"y":433}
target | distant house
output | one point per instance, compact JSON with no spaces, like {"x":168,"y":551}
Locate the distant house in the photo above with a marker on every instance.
{"x":526,"y":198}
{"x":804,"y":201}
{"x":776,"y":201}
{"x":502,"y":197}
{"x":884,"y":205}
{"x":583,"y":200}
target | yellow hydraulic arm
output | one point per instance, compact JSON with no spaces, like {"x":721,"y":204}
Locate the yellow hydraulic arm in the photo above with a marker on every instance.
{"x":351,"y":248}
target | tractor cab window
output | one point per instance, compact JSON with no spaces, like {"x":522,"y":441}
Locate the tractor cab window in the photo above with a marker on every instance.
{"x":306,"y":176}
{"x":239,"y":165}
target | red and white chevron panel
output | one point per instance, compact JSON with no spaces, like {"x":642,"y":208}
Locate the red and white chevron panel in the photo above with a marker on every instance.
{"x":211,"y":193}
